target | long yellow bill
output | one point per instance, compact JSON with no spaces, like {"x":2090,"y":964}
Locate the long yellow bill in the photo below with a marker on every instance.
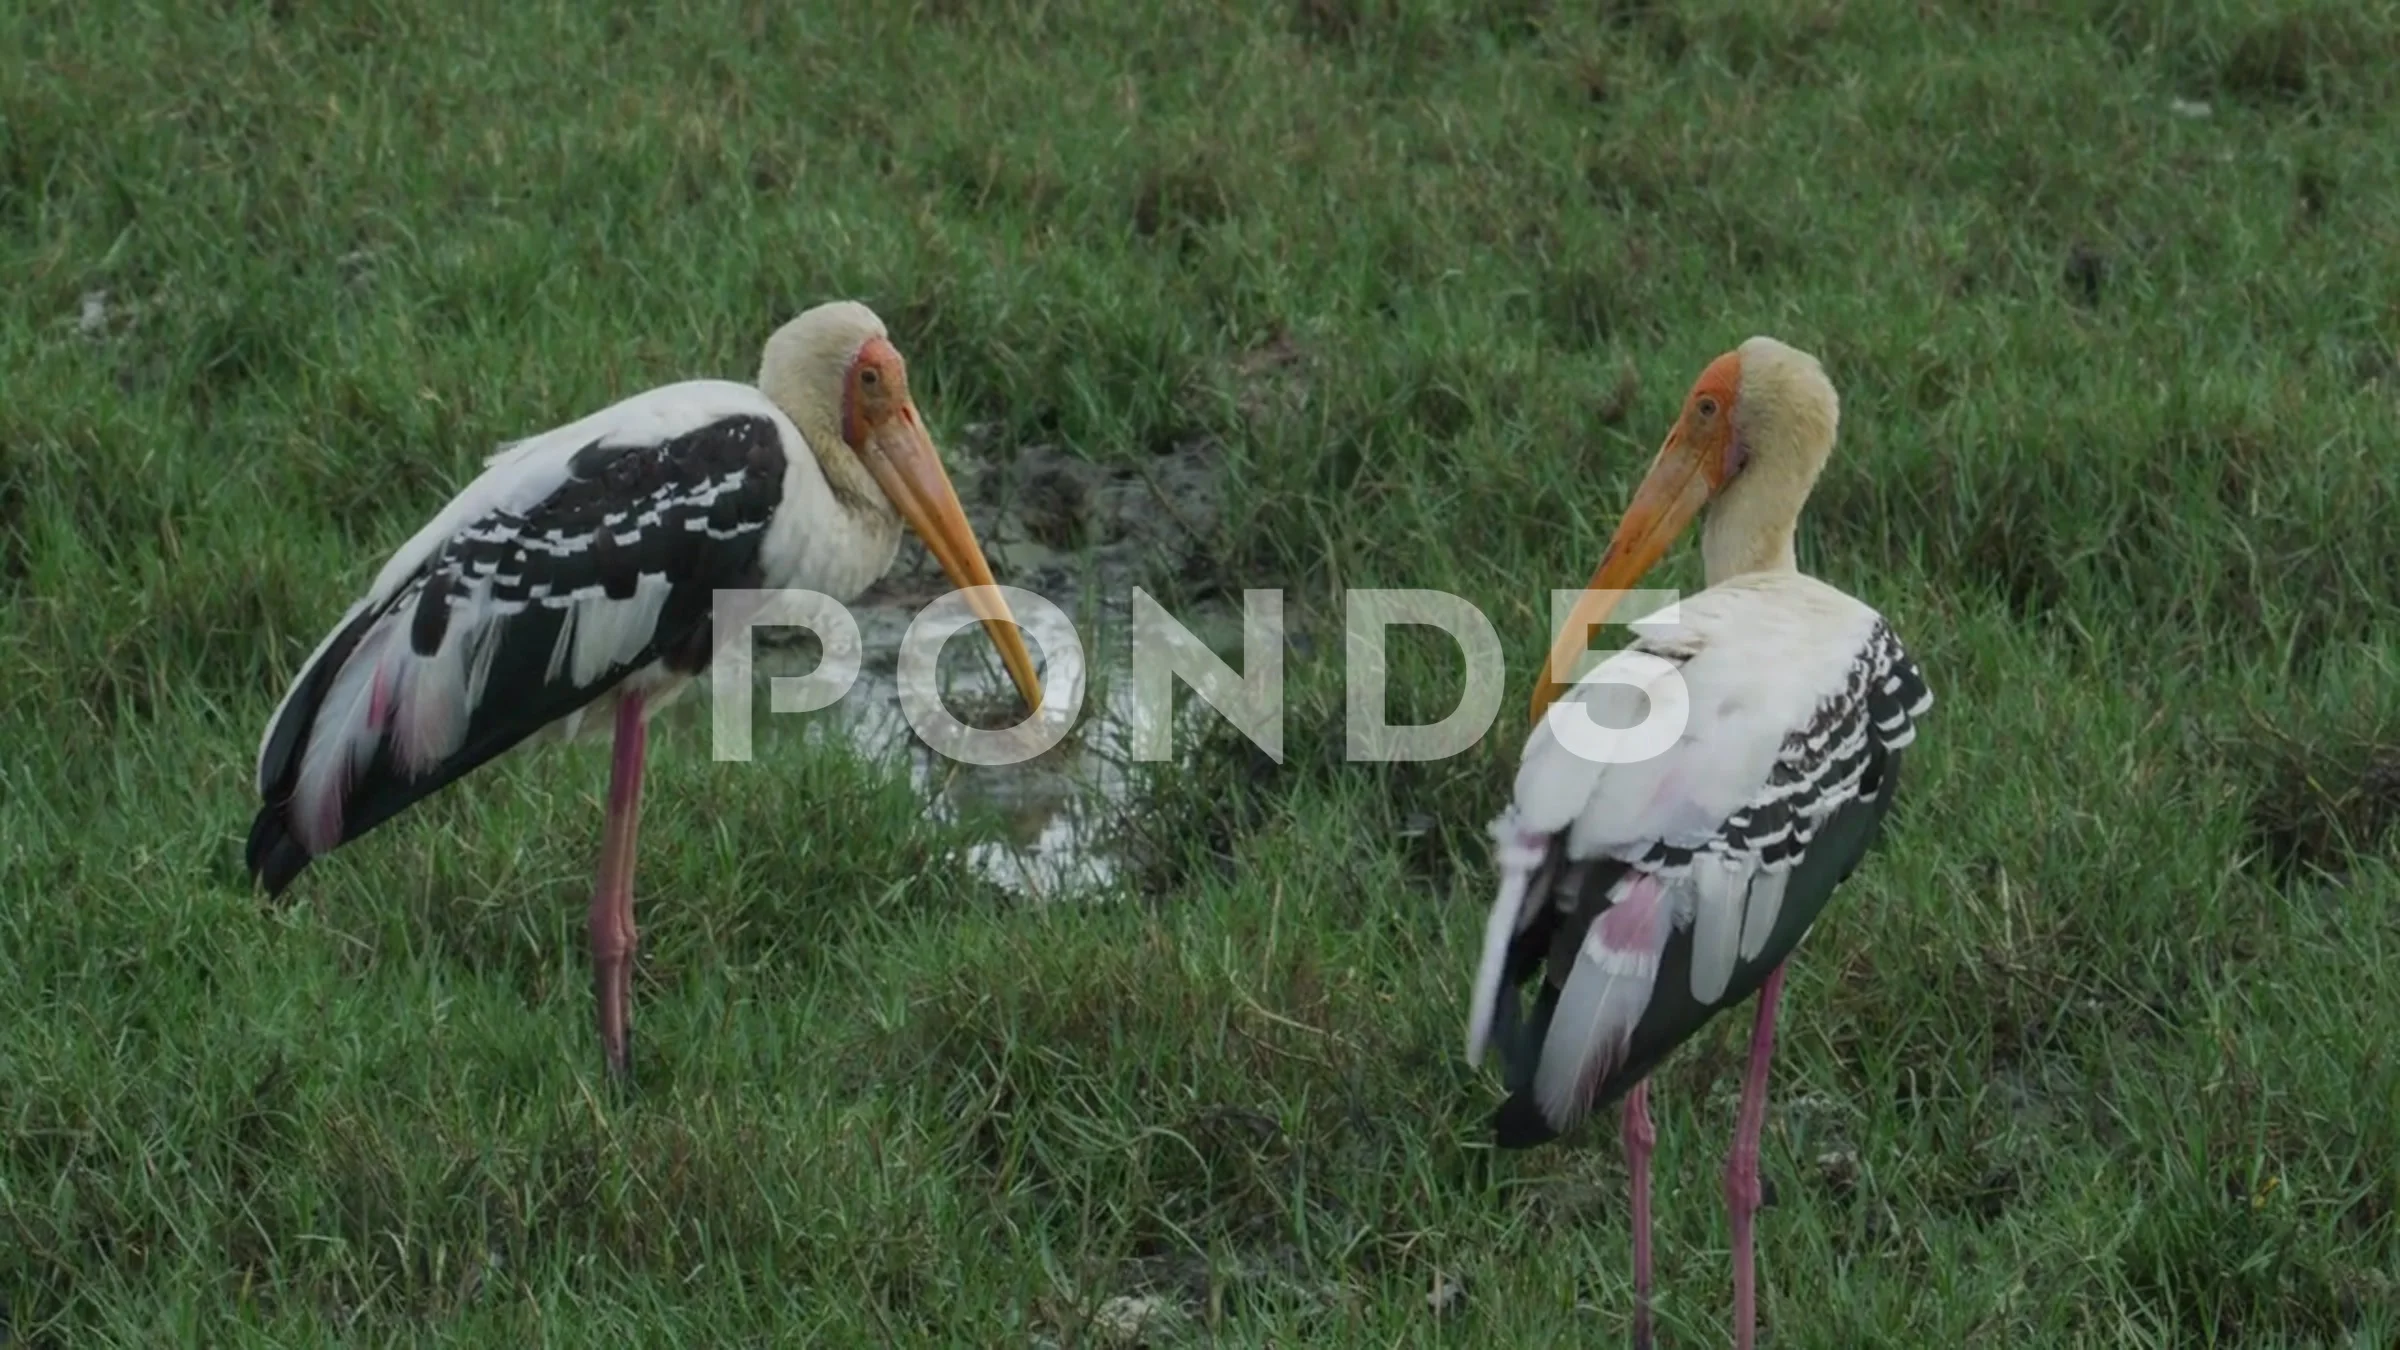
{"x":902,"y":458}
{"x":1673,"y":492}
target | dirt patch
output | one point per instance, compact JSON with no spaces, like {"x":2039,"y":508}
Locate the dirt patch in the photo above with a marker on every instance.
{"x":1584,"y":307}
{"x":2322,"y":808}
{"x":1171,"y":201}
{"x":2279,"y":62}
{"x":1328,"y":22}
{"x":2085,"y":274}
{"x":15,"y":553}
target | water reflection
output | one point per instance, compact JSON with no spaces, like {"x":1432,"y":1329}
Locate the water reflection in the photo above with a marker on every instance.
{"x":1054,"y":812}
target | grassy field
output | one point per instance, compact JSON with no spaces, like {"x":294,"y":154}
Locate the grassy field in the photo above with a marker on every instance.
{"x":2098,"y":1051}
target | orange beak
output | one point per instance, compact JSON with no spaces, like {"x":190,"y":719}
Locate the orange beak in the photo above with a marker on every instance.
{"x":901,"y":456}
{"x":1680,"y":482}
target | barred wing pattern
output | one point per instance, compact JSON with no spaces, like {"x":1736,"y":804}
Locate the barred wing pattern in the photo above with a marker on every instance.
{"x":574,"y":561}
{"x":1818,"y":770}
{"x":1651,"y":896}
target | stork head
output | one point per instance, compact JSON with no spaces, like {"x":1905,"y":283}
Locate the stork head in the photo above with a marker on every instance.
{"x":1754,"y":433}
{"x":835,"y":372}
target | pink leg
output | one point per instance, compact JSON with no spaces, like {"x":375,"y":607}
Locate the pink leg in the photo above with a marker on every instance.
{"x":613,"y":937}
{"x":1741,"y":1170}
{"x":1640,"y":1138}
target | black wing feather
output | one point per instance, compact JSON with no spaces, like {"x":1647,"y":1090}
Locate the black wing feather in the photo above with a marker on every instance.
{"x":693,"y":510}
{"x":1822,"y":809}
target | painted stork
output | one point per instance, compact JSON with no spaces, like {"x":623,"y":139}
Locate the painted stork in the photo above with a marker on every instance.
{"x":579,"y":572}
{"x":1650,"y":896}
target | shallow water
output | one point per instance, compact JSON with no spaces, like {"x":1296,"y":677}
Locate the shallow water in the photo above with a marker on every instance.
{"x":1056,"y":811}
{"x":1079,"y":534}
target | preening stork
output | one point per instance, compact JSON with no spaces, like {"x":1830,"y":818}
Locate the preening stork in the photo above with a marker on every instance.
{"x":578,"y":573}
{"x":1650,"y":896}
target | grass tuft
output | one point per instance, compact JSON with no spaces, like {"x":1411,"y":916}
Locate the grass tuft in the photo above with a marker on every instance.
{"x":1370,"y":293}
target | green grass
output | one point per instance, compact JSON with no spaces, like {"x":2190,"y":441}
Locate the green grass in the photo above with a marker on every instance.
{"x":2107,"y":1026}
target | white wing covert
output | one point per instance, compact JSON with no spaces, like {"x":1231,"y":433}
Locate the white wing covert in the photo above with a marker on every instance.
{"x":575,"y":558}
{"x":1794,"y":693}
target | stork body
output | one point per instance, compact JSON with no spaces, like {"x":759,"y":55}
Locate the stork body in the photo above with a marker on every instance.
{"x":576,"y":579}
{"x":1642,"y":898}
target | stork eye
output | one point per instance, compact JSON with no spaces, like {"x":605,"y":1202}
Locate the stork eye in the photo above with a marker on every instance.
{"x":1707,"y":406}
{"x":870,"y":377}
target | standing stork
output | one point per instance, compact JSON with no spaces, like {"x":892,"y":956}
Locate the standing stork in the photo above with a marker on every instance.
{"x":1650,"y":896}
{"x":579,"y":571}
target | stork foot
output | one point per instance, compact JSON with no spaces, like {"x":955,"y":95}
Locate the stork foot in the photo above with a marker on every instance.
{"x":612,"y":989}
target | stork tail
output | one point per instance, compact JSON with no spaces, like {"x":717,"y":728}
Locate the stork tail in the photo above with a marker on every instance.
{"x":276,"y":856}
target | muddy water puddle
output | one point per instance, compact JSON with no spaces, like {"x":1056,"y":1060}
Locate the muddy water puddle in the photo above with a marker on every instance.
{"x":1051,"y":820}
{"x":1082,"y":536}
